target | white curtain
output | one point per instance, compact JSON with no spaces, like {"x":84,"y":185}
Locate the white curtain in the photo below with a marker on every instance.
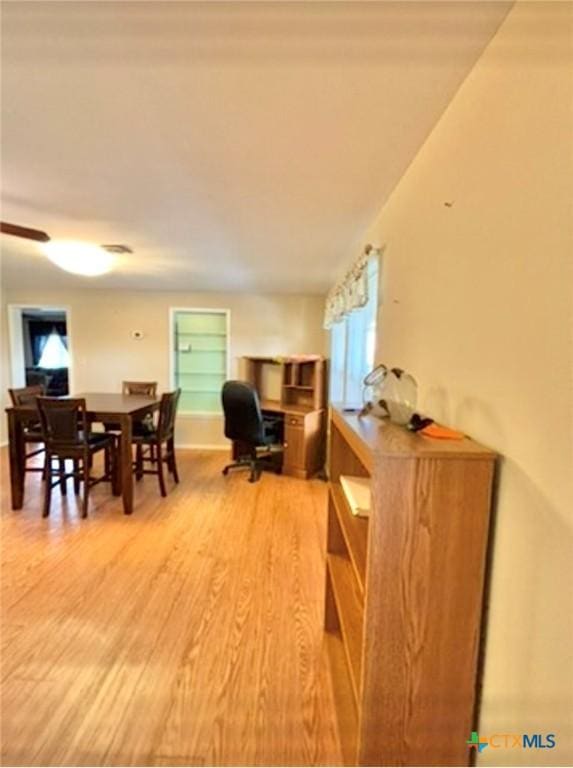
{"x":350,"y":293}
{"x":54,"y":354}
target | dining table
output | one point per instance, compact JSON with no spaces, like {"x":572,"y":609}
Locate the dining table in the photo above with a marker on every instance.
{"x":119,"y":409}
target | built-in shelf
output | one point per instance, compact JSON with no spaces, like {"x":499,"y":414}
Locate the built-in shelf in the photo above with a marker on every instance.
{"x":200,"y":333}
{"x":202,"y":373}
{"x":196,"y":351}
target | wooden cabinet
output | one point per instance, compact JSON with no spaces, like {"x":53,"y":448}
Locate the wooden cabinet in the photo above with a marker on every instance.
{"x":404,"y":592}
{"x":294,"y":448}
{"x":303,"y":443}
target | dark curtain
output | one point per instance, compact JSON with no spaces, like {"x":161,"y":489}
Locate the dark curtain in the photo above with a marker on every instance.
{"x":39,"y":332}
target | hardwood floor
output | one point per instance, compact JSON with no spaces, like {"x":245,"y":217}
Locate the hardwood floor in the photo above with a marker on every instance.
{"x":187,"y":634}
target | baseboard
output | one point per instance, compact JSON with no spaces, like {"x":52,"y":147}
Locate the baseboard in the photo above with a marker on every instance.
{"x":4,"y":444}
{"x":202,"y":447}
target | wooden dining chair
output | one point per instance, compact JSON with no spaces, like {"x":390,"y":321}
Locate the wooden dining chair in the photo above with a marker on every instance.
{"x":26,"y":396}
{"x":66,"y":433}
{"x":160,"y":442}
{"x":142,"y":388}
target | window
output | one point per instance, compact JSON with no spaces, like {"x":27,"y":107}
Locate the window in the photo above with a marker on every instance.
{"x":353,"y":346}
{"x":200,"y":359}
{"x":54,"y":353}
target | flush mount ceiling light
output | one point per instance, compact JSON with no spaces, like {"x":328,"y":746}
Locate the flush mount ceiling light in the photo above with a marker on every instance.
{"x":80,"y":258}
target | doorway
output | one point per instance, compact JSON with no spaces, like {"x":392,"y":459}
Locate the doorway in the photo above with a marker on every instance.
{"x":40,"y":348}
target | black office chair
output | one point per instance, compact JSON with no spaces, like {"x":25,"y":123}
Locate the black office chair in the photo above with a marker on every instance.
{"x":252,"y":435}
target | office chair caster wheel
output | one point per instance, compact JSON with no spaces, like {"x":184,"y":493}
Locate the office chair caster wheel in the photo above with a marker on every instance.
{"x":226,"y":471}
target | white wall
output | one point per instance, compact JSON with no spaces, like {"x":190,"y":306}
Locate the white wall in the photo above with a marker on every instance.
{"x":104,"y":353}
{"x":477,"y":304}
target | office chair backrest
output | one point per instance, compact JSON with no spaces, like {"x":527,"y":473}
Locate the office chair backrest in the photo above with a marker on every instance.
{"x":144,"y":388}
{"x":167,"y":413}
{"x":243,"y":417}
{"x":63,"y":420}
{"x":26,"y":395}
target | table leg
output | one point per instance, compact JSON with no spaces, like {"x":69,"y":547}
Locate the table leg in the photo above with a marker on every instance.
{"x":125,"y":461}
{"x":17,"y":452}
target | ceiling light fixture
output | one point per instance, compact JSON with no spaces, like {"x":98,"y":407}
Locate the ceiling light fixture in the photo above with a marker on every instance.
{"x":79,"y":258}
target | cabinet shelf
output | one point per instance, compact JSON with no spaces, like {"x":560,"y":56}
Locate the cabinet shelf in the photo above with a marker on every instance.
{"x":349,"y":602}
{"x":355,"y":532}
{"x":344,"y":699}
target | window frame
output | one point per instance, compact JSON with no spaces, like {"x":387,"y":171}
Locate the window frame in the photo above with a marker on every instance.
{"x":198,"y":310}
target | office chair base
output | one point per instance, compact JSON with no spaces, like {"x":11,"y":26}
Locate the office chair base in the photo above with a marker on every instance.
{"x":256,"y":466}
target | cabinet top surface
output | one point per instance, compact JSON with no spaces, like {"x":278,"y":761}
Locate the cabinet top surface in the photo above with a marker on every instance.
{"x":278,"y":359}
{"x":277,"y":407}
{"x":382,"y":438}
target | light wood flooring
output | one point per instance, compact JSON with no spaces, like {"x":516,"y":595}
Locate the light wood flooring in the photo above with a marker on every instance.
{"x":187,"y":634}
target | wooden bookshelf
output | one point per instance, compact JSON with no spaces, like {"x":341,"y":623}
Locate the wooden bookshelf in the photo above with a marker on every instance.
{"x":349,"y":601}
{"x":354,"y":531}
{"x":404,"y":592}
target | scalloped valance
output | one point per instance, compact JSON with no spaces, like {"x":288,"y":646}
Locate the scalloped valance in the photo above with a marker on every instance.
{"x":350,"y":293}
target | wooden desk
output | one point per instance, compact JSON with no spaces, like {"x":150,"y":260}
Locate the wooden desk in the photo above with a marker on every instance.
{"x":275,"y":406}
{"x":302,"y":403}
{"x":116,"y":408}
{"x":303,"y":437}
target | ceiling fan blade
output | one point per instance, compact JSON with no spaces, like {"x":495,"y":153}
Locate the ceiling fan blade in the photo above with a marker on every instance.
{"x":26,"y":232}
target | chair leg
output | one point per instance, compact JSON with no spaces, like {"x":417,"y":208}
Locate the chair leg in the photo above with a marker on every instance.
{"x":86,"y":479}
{"x":115,"y":475}
{"x":173,"y":465}
{"x":138,"y":461}
{"x":160,"y":474}
{"x":47,"y":486}
{"x":76,"y":476}
{"x":107,"y":463}
{"x":63,"y":481}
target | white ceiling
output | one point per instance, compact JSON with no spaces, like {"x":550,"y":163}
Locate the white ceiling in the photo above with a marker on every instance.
{"x":234,"y":146}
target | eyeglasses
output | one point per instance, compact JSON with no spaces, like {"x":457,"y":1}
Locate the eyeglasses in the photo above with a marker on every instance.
{"x":418,"y":422}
